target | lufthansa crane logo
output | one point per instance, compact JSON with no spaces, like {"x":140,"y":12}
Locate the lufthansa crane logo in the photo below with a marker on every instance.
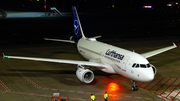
{"x":76,"y":27}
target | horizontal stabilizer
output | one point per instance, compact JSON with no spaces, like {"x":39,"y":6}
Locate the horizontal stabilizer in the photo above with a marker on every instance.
{"x":95,"y":37}
{"x":59,"y":40}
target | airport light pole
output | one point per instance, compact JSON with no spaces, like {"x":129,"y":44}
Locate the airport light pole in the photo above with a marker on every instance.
{"x":45,"y":7}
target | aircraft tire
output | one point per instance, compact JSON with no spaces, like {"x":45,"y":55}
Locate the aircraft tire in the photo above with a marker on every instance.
{"x":133,"y":88}
{"x":136,"y":88}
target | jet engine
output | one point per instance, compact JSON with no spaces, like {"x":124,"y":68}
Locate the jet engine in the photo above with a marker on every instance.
{"x":84,"y":75}
{"x":3,"y":14}
{"x":154,"y":69}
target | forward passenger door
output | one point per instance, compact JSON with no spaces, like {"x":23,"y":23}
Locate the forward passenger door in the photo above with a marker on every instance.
{"x":124,"y":63}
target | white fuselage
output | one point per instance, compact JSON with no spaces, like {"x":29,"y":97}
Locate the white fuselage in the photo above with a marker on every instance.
{"x":116,"y":59}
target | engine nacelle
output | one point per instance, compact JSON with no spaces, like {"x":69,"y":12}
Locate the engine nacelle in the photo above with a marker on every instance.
{"x":3,"y":14}
{"x":84,"y":75}
{"x":154,"y":69}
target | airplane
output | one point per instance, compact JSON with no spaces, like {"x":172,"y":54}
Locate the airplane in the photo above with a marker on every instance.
{"x":106,"y":57}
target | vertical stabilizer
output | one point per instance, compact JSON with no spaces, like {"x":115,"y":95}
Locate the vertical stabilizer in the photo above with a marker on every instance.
{"x":77,"y":25}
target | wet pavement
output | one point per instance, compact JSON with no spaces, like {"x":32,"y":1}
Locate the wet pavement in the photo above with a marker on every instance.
{"x":32,"y":80}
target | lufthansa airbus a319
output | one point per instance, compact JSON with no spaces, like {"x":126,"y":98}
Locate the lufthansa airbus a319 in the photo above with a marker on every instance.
{"x":107,"y":58}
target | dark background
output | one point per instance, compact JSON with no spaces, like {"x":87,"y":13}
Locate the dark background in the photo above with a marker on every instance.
{"x":66,"y":4}
{"x":126,"y":20}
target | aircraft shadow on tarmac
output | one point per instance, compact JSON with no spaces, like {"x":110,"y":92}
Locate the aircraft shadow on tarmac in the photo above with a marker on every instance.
{"x":60,"y":52}
{"x":37,"y":72}
{"x":66,"y":79}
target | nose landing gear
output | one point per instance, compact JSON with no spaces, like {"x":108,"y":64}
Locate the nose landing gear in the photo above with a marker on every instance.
{"x":134,"y":87}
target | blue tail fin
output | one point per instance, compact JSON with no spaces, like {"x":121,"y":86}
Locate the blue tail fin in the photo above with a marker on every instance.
{"x":77,"y":25}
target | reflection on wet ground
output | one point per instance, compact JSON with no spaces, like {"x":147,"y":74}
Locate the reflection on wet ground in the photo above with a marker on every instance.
{"x":113,"y":89}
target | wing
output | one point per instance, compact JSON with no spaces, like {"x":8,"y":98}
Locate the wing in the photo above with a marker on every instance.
{"x":158,"y":51}
{"x":59,"y":61}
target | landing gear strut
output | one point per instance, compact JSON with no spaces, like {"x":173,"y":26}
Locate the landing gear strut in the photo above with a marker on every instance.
{"x":134,"y":87}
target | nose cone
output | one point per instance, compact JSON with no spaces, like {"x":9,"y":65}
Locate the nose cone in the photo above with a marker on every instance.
{"x":149,"y":75}
{"x":143,"y":74}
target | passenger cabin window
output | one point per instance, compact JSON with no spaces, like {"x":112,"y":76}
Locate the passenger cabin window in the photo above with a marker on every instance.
{"x":148,"y":65}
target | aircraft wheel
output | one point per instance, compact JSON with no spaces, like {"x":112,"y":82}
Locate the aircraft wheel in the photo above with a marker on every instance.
{"x":133,"y":88}
{"x":136,"y":88}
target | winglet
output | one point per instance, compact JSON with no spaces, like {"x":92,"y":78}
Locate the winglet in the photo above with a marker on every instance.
{"x":3,"y":55}
{"x":174,"y":44}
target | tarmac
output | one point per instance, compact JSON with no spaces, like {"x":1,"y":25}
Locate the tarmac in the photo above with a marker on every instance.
{"x":36,"y":81}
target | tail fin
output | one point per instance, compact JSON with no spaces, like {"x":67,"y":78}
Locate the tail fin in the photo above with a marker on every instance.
{"x":77,"y":25}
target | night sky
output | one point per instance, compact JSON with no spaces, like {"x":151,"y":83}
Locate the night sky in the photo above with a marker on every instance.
{"x":119,"y":19}
{"x":32,"y":5}
{"x":83,"y":5}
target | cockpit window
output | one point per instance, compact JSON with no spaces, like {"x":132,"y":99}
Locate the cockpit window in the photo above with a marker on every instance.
{"x":142,"y":65}
{"x":137,"y":66}
{"x":133,"y":64}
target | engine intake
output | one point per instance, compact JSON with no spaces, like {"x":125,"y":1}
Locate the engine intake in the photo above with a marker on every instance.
{"x":3,"y":14}
{"x":84,"y":75}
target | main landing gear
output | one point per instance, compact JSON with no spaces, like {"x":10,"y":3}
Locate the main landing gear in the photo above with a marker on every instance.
{"x":134,"y":87}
